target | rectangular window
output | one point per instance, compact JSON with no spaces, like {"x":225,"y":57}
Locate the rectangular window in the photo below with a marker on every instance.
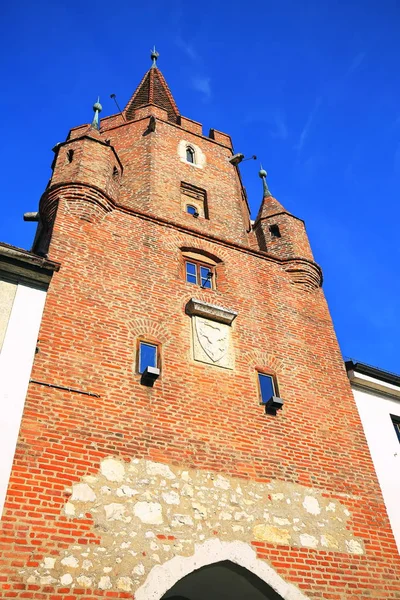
{"x":267,"y":387}
{"x":396,"y":425}
{"x":147,"y":356}
{"x":199,"y":274}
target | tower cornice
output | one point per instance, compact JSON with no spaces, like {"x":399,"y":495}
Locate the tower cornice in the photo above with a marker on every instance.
{"x":291,"y":265}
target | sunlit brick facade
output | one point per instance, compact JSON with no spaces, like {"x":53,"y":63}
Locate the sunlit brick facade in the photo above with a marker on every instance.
{"x":121,"y":488}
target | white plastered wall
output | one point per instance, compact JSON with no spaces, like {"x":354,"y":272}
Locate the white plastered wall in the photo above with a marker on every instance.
{"x":16,"y":359}
{"x":375,"y":409}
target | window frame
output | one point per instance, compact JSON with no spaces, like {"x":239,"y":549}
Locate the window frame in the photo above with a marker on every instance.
{"x":192,"y":195}
{"x":199,"y":265}
{"x":275,"y":231}
{"x":194,"y":214}
{"x":273,"y":378}
{"x":147,"y":342}
{"x":190,"y":150}
{"x":396,"y":424}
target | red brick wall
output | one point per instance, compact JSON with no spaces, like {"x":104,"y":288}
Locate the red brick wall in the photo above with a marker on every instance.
{"x":122,"y":278}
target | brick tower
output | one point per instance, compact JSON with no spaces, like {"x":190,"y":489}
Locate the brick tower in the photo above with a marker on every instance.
{"x":189,"y":430}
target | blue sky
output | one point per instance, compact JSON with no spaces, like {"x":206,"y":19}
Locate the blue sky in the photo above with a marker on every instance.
{"x":312,"y":88}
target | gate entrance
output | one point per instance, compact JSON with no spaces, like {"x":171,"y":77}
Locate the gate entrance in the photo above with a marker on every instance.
{"x":221,"y":581}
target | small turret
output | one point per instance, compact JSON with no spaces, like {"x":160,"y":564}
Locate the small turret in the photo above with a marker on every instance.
{"x":278,"y":231}
{"x":284,"y":236}
{"x":86,"y":170}
{"x":88,"y":159}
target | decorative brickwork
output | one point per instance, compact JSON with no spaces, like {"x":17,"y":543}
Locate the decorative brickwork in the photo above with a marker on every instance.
{"x":92,"y":507}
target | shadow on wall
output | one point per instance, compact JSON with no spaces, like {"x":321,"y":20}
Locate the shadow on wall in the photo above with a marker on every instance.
{"x":221,"y":581}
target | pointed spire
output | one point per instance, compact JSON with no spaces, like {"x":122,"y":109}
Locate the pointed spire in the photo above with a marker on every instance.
{"x":263,"y":175}
{"x":269,"y":205}
{"x":153,"y":89}
{"x":154,"y":56}
{"x":97,"y":107}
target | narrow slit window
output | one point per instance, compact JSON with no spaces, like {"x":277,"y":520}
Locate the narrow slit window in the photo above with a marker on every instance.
{"x":147,"y":356}
{"x":266,"y":387}
{"x":70,"y":156}
{"x":275,"y":232}
{"x":396,"y":425}
{"x":190,"y":154}
{"x":115,"y":173}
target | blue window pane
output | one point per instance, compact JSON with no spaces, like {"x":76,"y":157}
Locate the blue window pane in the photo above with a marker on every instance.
{"x":205,"y":276}
{"x":191,"y":275}
{"x":192,"y":210}
{"x":267,"y":387}
{"x":147,"y":356}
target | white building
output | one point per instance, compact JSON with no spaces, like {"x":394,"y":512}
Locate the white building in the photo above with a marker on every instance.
{"x":377,"y":395}
{"x":24,"y":278}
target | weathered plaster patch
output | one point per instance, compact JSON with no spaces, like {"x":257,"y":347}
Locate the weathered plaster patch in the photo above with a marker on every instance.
{"x":112,"y":469}
{"x":82,"y":492}
{"x":147,"y":512}
{"x":311,"y":505}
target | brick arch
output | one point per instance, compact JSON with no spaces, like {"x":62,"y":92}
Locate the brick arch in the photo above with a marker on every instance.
{"x":148,"y":327}
{"x":256,"y":358}
{"x":201,"y":252}
{"x":162,"y":577}
{"x":177,"y":240}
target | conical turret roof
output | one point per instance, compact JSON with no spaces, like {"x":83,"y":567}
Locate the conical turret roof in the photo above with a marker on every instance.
{"x":269,"y":206}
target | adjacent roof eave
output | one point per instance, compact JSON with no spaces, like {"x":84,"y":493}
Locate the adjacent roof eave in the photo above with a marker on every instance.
{"x":372,"y":372}
{"x":22,"y":264}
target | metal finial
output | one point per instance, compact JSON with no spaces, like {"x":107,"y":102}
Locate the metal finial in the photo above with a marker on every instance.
{"x":97,"y":107}
{"x":154,"y":55}
{"x":263,"y":174}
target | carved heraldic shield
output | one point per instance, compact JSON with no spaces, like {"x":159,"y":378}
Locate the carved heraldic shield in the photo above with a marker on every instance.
{"x":213,"y":338}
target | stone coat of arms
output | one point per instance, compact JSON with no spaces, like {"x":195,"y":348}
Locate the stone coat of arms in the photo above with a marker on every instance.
{"x":213,"y":338}
{"x":211,"y":342}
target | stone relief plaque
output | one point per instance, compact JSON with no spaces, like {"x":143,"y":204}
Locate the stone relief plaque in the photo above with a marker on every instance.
{"x":212,"y":342}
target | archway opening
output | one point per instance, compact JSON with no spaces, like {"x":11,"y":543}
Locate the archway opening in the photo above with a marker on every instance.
{"x":221,"y":581}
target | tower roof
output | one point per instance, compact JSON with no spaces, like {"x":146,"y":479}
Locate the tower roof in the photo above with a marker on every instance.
{"x":153,"y":89}
{"x":270,"y":206}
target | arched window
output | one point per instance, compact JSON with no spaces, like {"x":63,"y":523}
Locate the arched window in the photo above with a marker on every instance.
{"x":115,"y":173}
{"x":192,"y":210}
{"x":70,"y":156}
{"x":190,"y":154}
{"x":200,"y":269}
